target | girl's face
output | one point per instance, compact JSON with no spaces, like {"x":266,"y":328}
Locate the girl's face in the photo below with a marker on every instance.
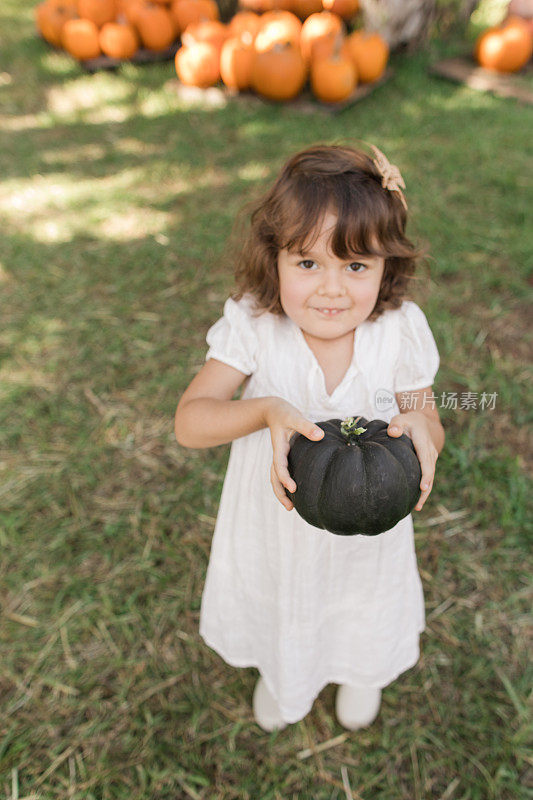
{"x":324,"y":295}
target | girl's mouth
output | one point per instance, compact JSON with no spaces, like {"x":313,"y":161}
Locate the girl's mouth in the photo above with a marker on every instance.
{"x":330,"y":312}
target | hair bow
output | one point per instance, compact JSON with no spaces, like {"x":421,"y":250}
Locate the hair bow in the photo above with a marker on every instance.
{"x":391,"y":177}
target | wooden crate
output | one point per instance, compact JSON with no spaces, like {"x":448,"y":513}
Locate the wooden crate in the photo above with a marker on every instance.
{"x":465,"y":70}
{"x":306,"y":102}
{"x":142,"y":56}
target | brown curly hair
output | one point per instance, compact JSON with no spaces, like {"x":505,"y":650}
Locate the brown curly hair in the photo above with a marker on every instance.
{"x":371,"y":220}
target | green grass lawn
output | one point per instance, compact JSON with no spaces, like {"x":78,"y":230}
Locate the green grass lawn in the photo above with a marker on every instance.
{"x":117,"y":201}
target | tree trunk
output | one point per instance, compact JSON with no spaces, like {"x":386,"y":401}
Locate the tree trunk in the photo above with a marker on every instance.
{"x":400,"y":22}
{"x":409,"y":23}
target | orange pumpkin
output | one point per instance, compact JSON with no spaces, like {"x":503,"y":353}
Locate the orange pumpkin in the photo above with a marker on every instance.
{"x":80,"y":38}
{"x":244,"y":22}
{"x":344,"y":8}
{"x":370,"y":53}
{"x":505,"y":48}
{"x":334,"y":77}
{"x":304,"y":8}
{"x":283,"y":5}
{"x":212,"y":31}
{"x":316,"y":27}
{"x":280,"y":15}
{"x":118,"y":40}
{"x":278,"y":26}
{"x":156,"y":27}
{"x":50,"y":19}
{"x":279,"y":73}
{"x":198,"y":64}
{"x":258,"y":6}
{"x":130,"y":9}
{"x":326,"y":46}
{"x":184,"y":12}
{"x":236,"y":62}
{"x":98,"y":11}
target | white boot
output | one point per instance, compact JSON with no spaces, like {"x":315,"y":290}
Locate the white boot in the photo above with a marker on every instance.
{"x":357,"y":706}
{"x":266,"y":710}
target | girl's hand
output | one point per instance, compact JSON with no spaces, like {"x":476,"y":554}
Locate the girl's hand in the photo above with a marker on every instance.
{"x":284,"y":419}
{"x":417,"y":427}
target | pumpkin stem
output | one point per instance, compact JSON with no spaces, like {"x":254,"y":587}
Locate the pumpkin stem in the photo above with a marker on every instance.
{"x":337,"y":46}
{"x":350,"y":430}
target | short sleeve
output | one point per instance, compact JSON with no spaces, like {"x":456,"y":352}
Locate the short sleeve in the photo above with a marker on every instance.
{"x":233,"y":339}
{"x":418,"y":360}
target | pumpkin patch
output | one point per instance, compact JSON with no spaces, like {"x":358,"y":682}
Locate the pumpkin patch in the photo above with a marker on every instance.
{"x":271,"y":47}
{"x":116,"y":28}
{"x":274,"y":53}
{"x":356,"y":480}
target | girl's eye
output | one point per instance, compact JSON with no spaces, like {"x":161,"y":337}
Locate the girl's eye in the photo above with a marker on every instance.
{"x":308,"y":264}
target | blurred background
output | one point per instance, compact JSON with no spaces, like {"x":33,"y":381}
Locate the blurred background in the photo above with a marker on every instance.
{"x":119,"y":191}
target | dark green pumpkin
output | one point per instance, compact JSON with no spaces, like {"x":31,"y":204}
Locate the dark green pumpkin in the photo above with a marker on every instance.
{"x":357,"y":479}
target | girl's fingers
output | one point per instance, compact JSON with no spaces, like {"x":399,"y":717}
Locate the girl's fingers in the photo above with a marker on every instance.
{"x":397,"y":426}
{"x":428,"y":459}
{"x":282,"y":473}
{"x":280,"y":434}
{"x":424,"y":496}
{"x":278,"y":489}
{"x":280,"y":447}
{"x":309,"y":430}
{"x":426,"y":453}
{"x":395,"y":430}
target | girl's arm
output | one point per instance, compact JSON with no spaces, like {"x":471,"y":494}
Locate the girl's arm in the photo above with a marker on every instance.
{"x":207,"y":416}
{"x":421,"y":422}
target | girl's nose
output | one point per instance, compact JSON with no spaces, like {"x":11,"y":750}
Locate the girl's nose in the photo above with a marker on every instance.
{"x":331,"y":284}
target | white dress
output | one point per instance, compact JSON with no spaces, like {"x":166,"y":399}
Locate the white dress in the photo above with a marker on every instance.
{"x":305,"y":606}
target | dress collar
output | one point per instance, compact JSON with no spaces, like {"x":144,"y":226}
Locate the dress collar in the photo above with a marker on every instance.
{"x":315,"y":366}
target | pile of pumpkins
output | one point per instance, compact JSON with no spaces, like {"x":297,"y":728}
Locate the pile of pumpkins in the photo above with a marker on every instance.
{"x":116,"y":28}
{"x":506,"y":47}
{"x":269,"y":46}
{"x":274,"y":51}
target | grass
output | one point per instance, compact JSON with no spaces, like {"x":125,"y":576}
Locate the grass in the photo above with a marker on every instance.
{"x":116,"y":202}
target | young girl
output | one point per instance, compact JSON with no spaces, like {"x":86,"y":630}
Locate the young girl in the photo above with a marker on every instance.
{"x":318,"y":330}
